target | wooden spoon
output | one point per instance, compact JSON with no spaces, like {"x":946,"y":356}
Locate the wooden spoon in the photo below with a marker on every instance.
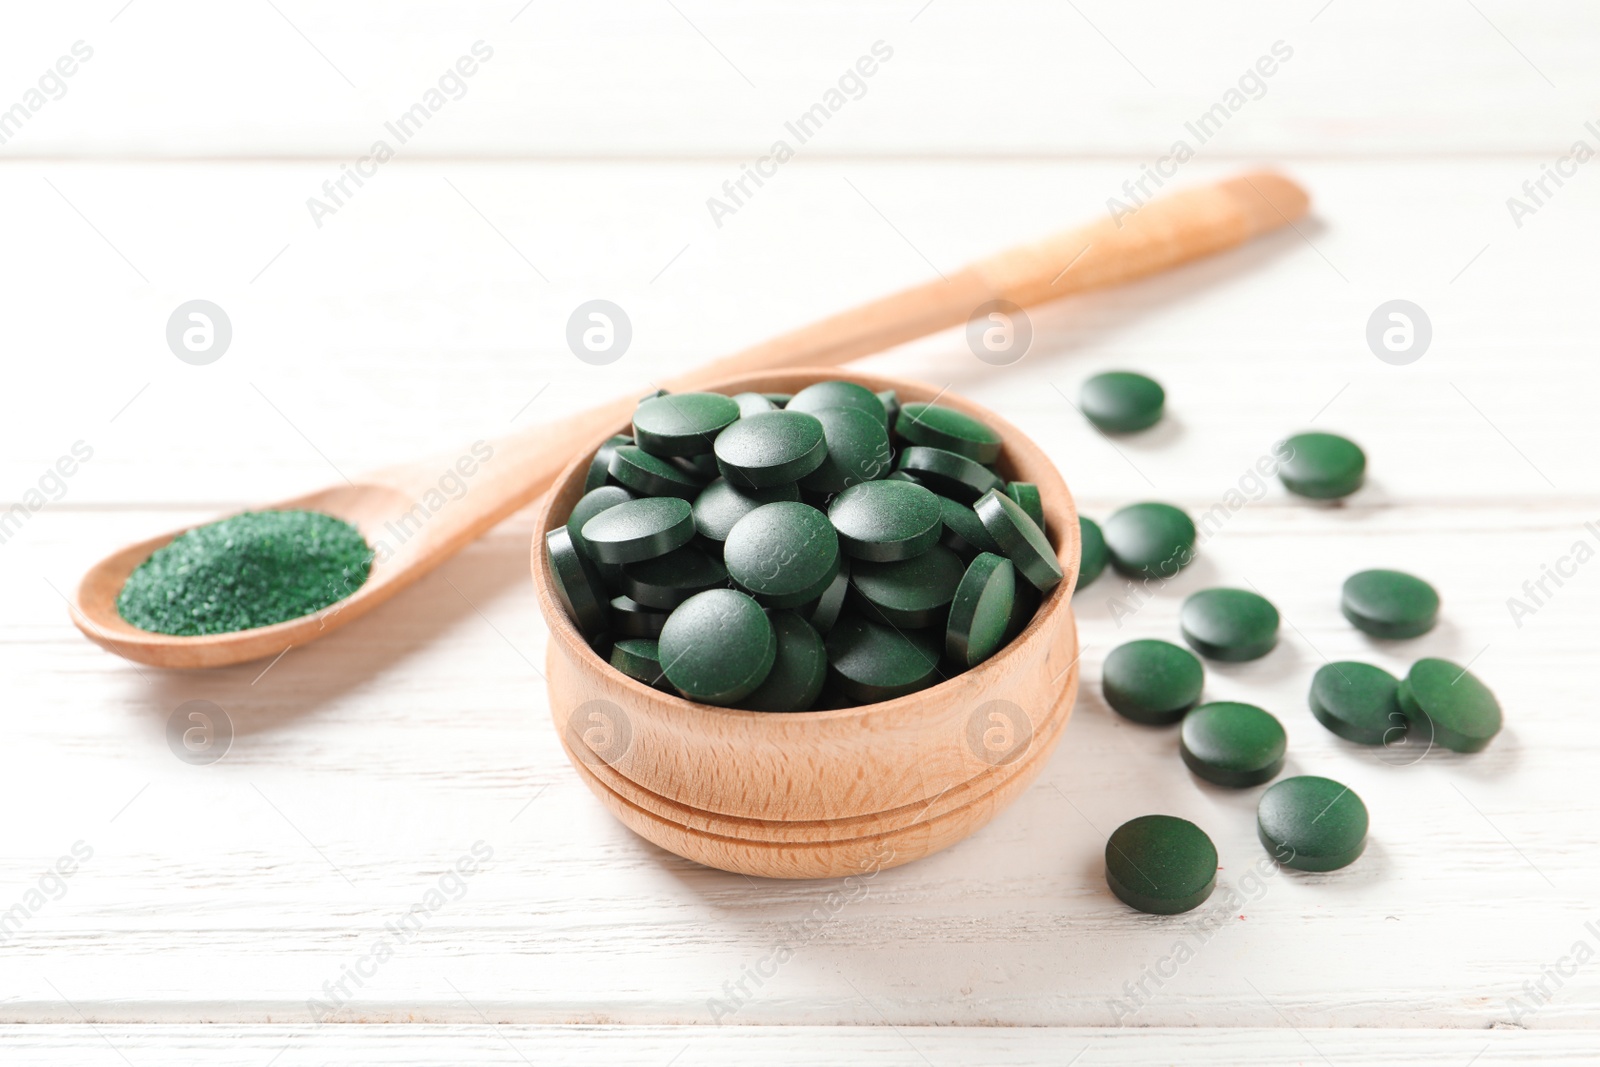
{"x":395,"y":508}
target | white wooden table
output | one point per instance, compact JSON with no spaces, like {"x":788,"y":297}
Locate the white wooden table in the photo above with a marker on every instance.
{"x":208,"y":905}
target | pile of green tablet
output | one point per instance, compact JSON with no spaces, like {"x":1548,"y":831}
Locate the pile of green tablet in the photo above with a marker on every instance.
{"x":782,"y":553}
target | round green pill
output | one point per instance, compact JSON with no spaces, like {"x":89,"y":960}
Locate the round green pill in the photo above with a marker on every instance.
{"x":1150,"y":681}
{"x":588,"y":506}
{"x":945,"y":428}
{"x":722,"y":504}
{"x":577,"y":583}
{"x":1231,"y":744}
{"x":771,"y":448}
{"x":1358,"y":702}
{"x":949,"y":473}
{"x":1150,"y":540}
{"x":753,"y":403}
{"x":1121,"y":401}
{"x":815,"y":399}
{"x":798,"y":672}
{"x":1322,"y":466}
{"x":1161,"y":864}
{"x":1389,"y":603}
{"x":667,"y":581}
{"x":886,"y":520}
{"x":980,"y":612}
{"x":1461,"y":712}
{"x":629,"y":618}
{"x":783,"y":554}
{"x":1092,"y":559}
{"x":823,"y":612}
{"x":638,"y":529}
{"x":1020,"y":540}
{"x":869,"y":661}
{"x":1312,"y":824}
{"x":600,"y":465}
{"x":682,"y":424}
{"x":1026,"y":494}
{"x":908,"y":592}
{"x":639,"y":658}
{"x":717,"y":647}
{"x":858,"y":449}
{"x":963,"y":530}
{"x":1232,"y":625}
{"x":651,"y":475}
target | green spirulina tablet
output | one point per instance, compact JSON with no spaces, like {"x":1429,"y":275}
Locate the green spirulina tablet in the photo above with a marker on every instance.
{"x":717,"y":647}
{"x":1020,"y":540}
{"x":891,"y":405}
{"x":1024,"y":606}
{"x":779,"y":400}
{"x":963,"y":530}
{"x":1026,"y":494}
{"x":945,"y":428}
{"x":1161,"y":864}
{"x":1153,"y":541}
{"x":771,"y":448}
{"x":629,"y":618}
{"x":949,"y":473}
{"x":722,"y":504}
{"x":823,"y":612}
{"x":667,"y":581}
{"x":1358,"y":702}
{"x":588,"y":506}
{"x":1461,"y":712}
{"x":818,"y":398}
{"x":869,"y":661}
{"x":702,"y":468}
{"x":1121,"y":401}
{"x":600,"y":465}
{"x":577,"y":583}
{"x":798,"y":672}
{"x":644,"y":528}
{"x":1322,"y":466}
{"x":639,"y":658}
{"x":1312,"y":824}
{"x":1232,"y":744}
{"x":1153,"y":682}
{"x":1092,"y":559}
{"x":637,"y":469}
{"x":783,"y":554}
{"x":1233,"y":625}
{"x":753,"y":403}
{"x":908,"y":592}
{"x":886,"y":520}
{"x":980,"y":612}
{"x":858,"y":449}
{"x":1389,"y":603}
{"x":682,"y":424}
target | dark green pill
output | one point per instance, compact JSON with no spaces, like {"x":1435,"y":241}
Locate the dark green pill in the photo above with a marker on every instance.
{"x":638,"y":658}
{"x":1389,"y":603}
{"x":717,"y":647}
{"x":980,"y":613}
{"x":891,"y":405}
{"x":1359,"y":702}
{"x":771,"y":448}
{"x":1121,"y":401}
{"x":823,"y":612}
{"x":869,"y":661}
{"x":1322,"y":466}
{"x":817,"y":398}
{"x":1020,"y":540}
{"x":629,"y":618}
{"x":682,"y":424}
{"x":1092,"y":559}
{"x":783,"y":554}
{"x":650,"y":475}
{"x":577,"y":583}
{"x":1024,"y":606}
{"x":1153,"y":682}
{"x":945,"y":428}
{"x":703,"y":468}
{"x":588,"y":506}
{"x":600,"y":465}
{"x":1153,"y":541}
{"x":911,"y":592}
{"x":1231,"y":744}
{"x":722,"y":504}
{"x":1312,"y":824}
{"x":949,"y":473}
{"x":667,"y":581}
{"x":1026,"y":494}
{"x":1450,"y":700}
{"x":1161,"y":864}
{"x":753,"y":403}
{"x":779,"y":400}
{"x":797,"y":673}
{"x":858,"y":449}
{"x":963,"y":530}
{"x":639,"y":529}
{"x":886,"y":520}
{"x":1232,"y":625}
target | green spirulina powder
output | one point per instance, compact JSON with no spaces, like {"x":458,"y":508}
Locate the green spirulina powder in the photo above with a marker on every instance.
{"x":250,"y":570}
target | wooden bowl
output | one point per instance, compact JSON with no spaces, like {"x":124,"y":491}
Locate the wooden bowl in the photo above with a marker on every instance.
{"x":817,"y":794}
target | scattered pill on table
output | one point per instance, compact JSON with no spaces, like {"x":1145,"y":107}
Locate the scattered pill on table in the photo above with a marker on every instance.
{"x":1321,"y":466}
{"x":1359,"y":702}
{"x":1152,"y":541}
{"x":1151,"y":681}
{"x":1161,"y":864}
{"x":1232,"y":625}
{"x":1389,"y":604}
{"x":1093,"y":555}
{"x":1449,"y":704}
{"x":1311,"y":823}
{"x":1122,"y":401}
{"x":1233,"y":744}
